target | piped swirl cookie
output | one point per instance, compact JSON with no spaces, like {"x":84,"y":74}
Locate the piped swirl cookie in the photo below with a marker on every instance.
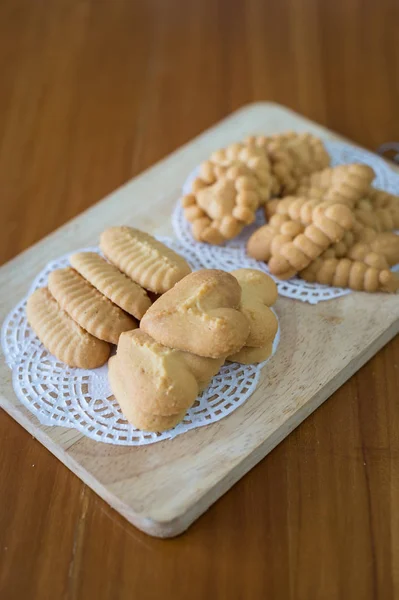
{"x":329,"y":225}
{"x":259,"y":293}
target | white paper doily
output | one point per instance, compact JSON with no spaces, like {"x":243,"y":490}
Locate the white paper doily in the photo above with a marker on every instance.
{"x":82,"y":399}
{"x":295,"y":288}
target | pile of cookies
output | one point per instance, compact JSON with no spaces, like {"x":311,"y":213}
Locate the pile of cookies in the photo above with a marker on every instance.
{"x":325,"y":224}
{"x":237,"y":180}
{"x":87,"y":306}
{"x":337,"y":230}
{"x":208,"y":317}
{"x":173,"y":329}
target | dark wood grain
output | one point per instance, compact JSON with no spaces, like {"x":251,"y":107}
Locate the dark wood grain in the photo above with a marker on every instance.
{"x":91,"y":93}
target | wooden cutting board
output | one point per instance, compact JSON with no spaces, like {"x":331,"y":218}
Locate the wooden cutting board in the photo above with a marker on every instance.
{"x":162,"y":488}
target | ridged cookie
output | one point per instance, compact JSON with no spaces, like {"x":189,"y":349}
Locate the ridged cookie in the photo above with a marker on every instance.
{"x":64,"y":338}
{"x":143,"y":258}
{"x":200,"y":315}
{"x":113,"y":284}
{"x":90,"y":309}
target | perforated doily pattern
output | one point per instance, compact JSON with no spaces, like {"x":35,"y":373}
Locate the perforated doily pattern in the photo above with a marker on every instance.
{"x":82,"y":399}
{"x":295,"y":288}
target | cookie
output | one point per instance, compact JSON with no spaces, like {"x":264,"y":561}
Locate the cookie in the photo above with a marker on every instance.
{"x":295,"y":156}
{"x":379,"y":219}
{"x":113,"y":284}
{"x":329,"y":225}
{"x":126,"y":397}
{"x":155,"y":385}
{"x":61,"y":336}
{"x":219,"y":211}
{"x":267,"y":239}
{"x":363,"y":252}
{"x":353,"y":274}
{"x":344,"y":184}
{"x":88,"y":307}
{"x":252,"y":161}
{"x":259,"y":292}
{"x":249,"y":355}
{"x":200,"y":315}
{"x":144,"y":259}
{"x":387,"y":244}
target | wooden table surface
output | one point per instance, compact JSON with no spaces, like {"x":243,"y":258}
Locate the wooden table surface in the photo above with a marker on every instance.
{"x":91,"y":93}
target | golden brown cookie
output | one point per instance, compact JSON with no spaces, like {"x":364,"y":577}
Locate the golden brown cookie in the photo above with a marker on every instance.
{"x":387,"y":244}
{"x":200,"y":315}
{"x":340,"y":249}
{"x":250,"y":161}
{"x":88,"y":307}
{"x":353,"y":274}
{"x":329,"y":225}
{"x":249,"y":355}
{"x":259,"y":292}
{"x":119,"y":380}
{"x":143,"y":258}
{"x":61,"y":336}
{"x":363,"y":252}
{"x":113,"y":284}
{"x":218,"y":211}
{"x":344,"y":184}
{"x":379,"y":219}
{"x":155,"y":385}
{"x":296,"y":208}
{"x":263,"y":242}
{"x":295,"y":156}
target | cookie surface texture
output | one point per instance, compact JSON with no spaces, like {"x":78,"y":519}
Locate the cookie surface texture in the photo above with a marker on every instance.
{"x":88,"y":307}
{"x":113,"y":284}
{"x":144,"y":259}
{"x":61,"y":336}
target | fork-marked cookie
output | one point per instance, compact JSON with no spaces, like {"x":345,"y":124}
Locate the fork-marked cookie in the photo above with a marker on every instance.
{"x":113,"y":284}
{"x":143,"y":258}
{"x":59,"y":333}
{"x":88,"y":307}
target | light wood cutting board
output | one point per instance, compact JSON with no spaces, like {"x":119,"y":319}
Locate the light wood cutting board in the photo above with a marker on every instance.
{"x":164,"y":487}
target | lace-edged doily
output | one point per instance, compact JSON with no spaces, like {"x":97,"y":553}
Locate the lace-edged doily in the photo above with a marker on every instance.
{"x":295,"y":288}
{"x":82,"y":399}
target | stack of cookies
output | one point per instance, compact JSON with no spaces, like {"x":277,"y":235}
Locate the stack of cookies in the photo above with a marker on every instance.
{"x":337,"y":230}
{"x":87,"y":306}
{"x":237,"y":180}
{"x":185,"y":337}
{"x":167,"y":350}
